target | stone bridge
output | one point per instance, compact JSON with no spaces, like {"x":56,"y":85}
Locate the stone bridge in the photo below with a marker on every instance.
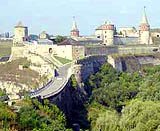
{"x":83,"y":68}
{"x":55,"y":85}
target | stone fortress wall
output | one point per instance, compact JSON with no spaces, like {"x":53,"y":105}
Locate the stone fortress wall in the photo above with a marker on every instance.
{"x":70,"y":52}
{"x":97,"y":56}
{"x":74,"y":52}
{"x":130,"y":49}
{"x":88,"y":58}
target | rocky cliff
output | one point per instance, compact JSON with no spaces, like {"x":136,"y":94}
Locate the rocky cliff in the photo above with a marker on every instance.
{"x":132,"y":63}
{"x":71,"y":101}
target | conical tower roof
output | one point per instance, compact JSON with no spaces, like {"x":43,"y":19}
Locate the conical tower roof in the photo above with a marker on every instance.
{"x":144,"y":17}
{"x":74,"y":26}
{"x":20,"y":24}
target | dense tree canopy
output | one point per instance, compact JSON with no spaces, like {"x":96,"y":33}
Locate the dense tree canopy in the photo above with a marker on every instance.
{"x":123,"y":101}
{"x":150,"y":87}
{"x":102,"y":118}
{"x":7,"y":116}
{"x":33,"y":115}
{"x":39,"y":117}
{"x":141,"y":116}
{"x":60,"y":39}
{"x":114,"y":89}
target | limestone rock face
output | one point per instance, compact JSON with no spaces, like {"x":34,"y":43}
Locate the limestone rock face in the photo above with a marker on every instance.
{"x":13,"y":90}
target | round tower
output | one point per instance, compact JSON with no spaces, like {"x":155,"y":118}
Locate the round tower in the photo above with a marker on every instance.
{"x":108,"y":33}
{"x":74,"y":31}
{"x":144,"y":29}
{"x":20,"y":33}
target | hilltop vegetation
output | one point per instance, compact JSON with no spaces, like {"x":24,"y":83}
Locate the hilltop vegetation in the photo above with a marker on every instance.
{"x":121,"y":101}
{"x":32,"y":116}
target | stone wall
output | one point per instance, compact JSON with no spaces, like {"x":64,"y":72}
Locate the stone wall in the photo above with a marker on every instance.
{"x":78,"y":52}
{"x":137,"y":49}
{"x":123,"y":49}
{"x":100,"y":50}
{"x":18,"y":52}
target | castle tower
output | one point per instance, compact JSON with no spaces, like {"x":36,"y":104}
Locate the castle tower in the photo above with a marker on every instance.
{"x":106,"y":33}
{"x":74,"y":31}
{"x":20,"y":33}
{"x":43,"y":35}
{"x":144,"y":30}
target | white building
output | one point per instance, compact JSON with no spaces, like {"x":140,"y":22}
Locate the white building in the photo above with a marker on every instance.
{"x":128,"y":32}
{"x":129,"y":35}
{"x":106,"y":33}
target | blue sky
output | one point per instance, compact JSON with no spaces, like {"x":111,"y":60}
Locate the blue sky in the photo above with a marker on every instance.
{"x":55,"y":16}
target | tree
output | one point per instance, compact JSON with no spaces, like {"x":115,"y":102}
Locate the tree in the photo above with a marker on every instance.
{"x":141,"y":116}
{"x":102,"y":119}
{"x":150,"y":87}
{"x":115,"y":89}
{"x":39,"y":117}
{"x":7,"y":116}
{"x":28,"y":118}
{"x":107,"y":121}
{"x":60,"y":39}
{"x":113,"y":99}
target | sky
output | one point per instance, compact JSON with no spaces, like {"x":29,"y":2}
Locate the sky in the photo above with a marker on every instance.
{"x":56,"y":16}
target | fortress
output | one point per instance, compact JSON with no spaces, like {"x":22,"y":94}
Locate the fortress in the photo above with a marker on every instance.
{"x":85,"y":53}
{"x":105,"y":41}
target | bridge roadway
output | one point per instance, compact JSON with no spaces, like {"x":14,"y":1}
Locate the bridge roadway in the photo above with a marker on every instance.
{"x":56,"y":85}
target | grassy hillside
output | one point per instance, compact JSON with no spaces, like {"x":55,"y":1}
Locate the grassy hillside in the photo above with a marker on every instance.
{"x":5,"y":48}
{"x":11,"y":72}
{"x":62,"y":60}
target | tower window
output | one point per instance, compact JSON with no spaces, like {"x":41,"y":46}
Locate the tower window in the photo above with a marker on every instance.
{"x":50,"y":50}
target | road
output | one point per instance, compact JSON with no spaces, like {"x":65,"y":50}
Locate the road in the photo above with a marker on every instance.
{"x":56,"y":85}
{"x":4,"y":59}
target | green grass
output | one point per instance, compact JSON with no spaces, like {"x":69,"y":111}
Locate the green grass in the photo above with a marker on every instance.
{"x":62,"y":60}
{"x":5,"y":48}
{"x":2,"y":93}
